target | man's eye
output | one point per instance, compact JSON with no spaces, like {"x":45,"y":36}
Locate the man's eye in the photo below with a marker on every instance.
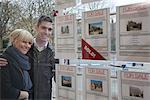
{"x":50,"y":29}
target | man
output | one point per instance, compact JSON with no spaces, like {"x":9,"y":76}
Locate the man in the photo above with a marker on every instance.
{"x":41,"y":58}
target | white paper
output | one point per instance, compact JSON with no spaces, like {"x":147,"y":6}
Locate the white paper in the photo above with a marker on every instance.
{"x":97,"y":84}
{"x":95,"y":30}
{"x":66,"y":45}
{"x":134,"y":85}
{"x":133,"y":41}
{"x":66,"y":82}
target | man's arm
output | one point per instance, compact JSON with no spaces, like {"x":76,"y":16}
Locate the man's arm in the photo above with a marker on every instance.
{"x":3,"y":62}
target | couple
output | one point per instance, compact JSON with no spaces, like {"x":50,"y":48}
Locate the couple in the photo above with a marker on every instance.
{"x":39,"y":62}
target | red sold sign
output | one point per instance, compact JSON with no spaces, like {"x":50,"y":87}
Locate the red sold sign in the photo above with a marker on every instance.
{"x":90,"y":53}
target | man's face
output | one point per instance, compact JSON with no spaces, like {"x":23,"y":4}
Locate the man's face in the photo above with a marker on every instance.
{"x":44,"y":30}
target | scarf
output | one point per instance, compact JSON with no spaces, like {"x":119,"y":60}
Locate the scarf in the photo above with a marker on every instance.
{"x":23,"y":62}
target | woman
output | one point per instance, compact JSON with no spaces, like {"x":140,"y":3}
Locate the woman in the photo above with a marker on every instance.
{"x":15,"y":80}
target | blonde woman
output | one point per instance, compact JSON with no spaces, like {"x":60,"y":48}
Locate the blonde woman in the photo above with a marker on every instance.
{"x":15,"y":79}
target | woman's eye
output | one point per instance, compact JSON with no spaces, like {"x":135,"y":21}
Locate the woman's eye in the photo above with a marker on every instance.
{"x":30,"y":43}
{"x":27,"y":42}
{"x":24,"y":41}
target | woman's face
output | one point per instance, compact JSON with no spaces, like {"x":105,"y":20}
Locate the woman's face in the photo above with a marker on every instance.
{"x":22,"y":46}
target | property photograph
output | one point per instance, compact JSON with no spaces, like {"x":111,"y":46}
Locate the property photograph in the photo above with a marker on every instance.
{"x":134,"y":26}
{"x":96,"y":28}
{"x":136,"y":92}
{"x":65,"y":29}
{"x":66,"y":81}
{"x":96,"y":85}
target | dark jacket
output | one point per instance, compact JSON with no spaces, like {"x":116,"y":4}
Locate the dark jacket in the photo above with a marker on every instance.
{"x":12,"y":80}
{"x":42,"y":71}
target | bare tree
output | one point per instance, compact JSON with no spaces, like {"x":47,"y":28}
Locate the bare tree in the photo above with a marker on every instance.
{"x":7,"y":13}
{"x":8,"y":17}
{"x":31,"y":9}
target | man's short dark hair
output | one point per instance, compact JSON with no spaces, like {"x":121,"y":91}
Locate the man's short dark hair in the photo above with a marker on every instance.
{"x":44,"y":18}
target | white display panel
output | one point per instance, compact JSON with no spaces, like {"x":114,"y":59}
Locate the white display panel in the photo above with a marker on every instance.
{"x":65,"y":37}
{"x":66,"y":82}
{"x":97,"y":84}
{"x":133,"y":32}
{"x":88,"y":1}
{"x":134,"y":85}
{"x":95,"y":30}
{"x":65,"y":3}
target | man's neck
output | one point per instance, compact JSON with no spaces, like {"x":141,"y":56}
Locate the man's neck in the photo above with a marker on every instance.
{"x":40,"y":43}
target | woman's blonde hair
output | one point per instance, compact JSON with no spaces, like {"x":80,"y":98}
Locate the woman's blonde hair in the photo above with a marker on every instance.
{"x":20,"y":35}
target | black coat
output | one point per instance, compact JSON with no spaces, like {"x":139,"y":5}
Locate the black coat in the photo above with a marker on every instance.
{"x":42,"y":66}
{"x":11,"y":79}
